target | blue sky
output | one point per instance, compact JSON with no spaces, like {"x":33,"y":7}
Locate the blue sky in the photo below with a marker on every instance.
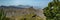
{"x":38,"y":3}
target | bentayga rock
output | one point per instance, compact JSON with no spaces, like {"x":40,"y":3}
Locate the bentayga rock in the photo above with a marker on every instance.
{"x":19,"y":12}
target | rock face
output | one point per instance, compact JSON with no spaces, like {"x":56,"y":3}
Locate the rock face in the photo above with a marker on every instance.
{"x":12,"y":12}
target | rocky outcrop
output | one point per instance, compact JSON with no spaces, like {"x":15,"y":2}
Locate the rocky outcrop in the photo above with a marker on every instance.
{"x":13,"y":12}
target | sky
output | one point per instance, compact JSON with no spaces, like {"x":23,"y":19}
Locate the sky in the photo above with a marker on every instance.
{"x":36,"y":3}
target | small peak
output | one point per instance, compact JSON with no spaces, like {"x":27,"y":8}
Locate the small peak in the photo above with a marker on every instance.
{"x":32,"y":7}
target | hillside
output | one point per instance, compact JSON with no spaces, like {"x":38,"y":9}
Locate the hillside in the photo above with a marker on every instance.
{"x":16,"y":12}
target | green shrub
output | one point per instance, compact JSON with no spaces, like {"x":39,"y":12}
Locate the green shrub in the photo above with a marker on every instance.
{"x":31,"y":16}
{"x":2,"y":15}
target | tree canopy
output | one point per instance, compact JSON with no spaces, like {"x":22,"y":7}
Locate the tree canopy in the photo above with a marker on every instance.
{"x":52,"y":11}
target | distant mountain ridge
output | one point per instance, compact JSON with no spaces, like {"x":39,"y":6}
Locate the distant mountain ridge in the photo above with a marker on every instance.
{"x":17,"y":7}
{"x":10,"y":7}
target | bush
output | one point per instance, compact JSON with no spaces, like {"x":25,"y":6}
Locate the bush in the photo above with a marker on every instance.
{"x":2,"y":15}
